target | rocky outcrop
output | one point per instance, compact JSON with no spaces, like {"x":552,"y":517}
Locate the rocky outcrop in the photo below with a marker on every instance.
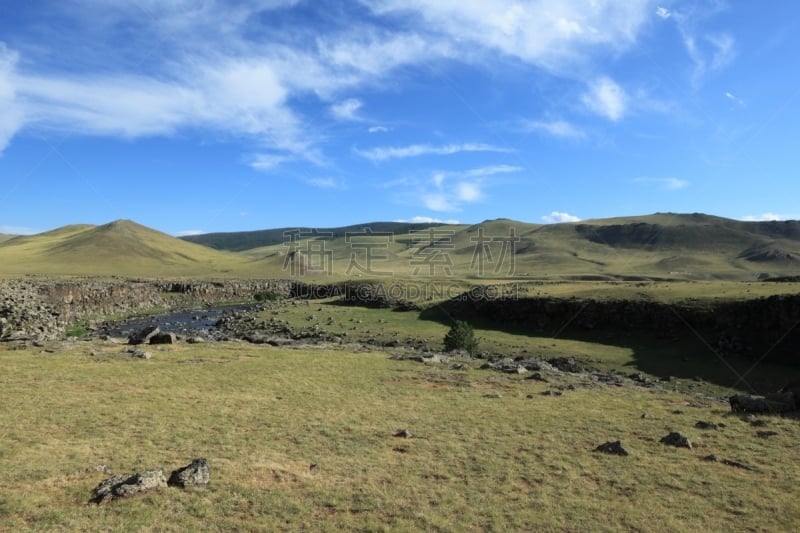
{"x":128,"y":486}
{"x":195,"y":474}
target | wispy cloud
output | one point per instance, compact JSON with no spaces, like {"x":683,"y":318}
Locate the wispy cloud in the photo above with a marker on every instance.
{"x":416,"y":150}
{"x":764,"y":217}
{"x":557,"y":217}
{"x":190,"y":232}
{"x":553,"y":34}
{"x":670,"y":184}
{"x":663,"y":12}
{"x":732,"y":97}
{"x":606,"y":98}
{"x":17,"y":230}
{"x":325,"y":183}
{"x":378,"y":129}
{"x":554,"y":128}
{"x":266,"y":162}
{"x":11,"y":119}
{"x":450,"y":191}
{"x":347,"y":110}
{"x":428,"y":220}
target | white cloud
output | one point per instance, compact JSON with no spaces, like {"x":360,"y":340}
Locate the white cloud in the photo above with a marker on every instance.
{"x":416,"y":150}
{"x":265,"y":162}
{"x":378,"y":129}
{"x":449,"y":191}
{"x":557,"y":217}
{"x":190,"y":232}
{"x":428,"y":220}
{"x":17,"y":230}
{"x":490,"y":171}
{"x":325,"y":183}
{"x":730,"y":96}
{"x":670,"y":184}
{"x":555,"y":128}
{"x":468,"y":192}
{"x":663,"y":12}
{"x":606,"y":98}
{"x":347,"y":110}
{"x":770,"y":217}
{"x":11,"y":118}
{"x":549,"y":33}
{"x":438,"y":202}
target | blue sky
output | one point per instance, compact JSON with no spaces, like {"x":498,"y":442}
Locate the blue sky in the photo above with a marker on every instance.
{"x":209,"y":115}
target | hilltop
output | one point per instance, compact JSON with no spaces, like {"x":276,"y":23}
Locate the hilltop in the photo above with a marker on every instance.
{"x":121,"y":247}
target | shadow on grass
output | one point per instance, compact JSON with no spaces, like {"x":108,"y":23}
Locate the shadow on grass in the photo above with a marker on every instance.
{"x":676,"y":354}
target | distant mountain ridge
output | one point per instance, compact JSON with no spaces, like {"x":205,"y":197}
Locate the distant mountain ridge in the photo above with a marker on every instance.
{"x":247,"y":240}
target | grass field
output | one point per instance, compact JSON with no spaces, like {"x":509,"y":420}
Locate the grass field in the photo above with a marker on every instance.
{"x":489,"y":452}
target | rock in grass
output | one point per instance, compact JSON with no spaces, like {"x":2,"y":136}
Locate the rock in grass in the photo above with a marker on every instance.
{"x":677,"y":440}
{"x":195,"y":474}
{"x":127,"y":486}
{"x":164,"y":338}
{"x":402,"y":433}
{"x":613,"y":448}
{"x":144,"y":336}
{"x":706,"y":425}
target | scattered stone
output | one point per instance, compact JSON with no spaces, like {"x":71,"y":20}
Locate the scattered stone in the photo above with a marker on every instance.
{"x":144,"y":336}
{"x":737,"y":464}
{"x":765,"y":434}
{"x":127,"y":486}
{"x":613,"y":448}
{"x":677,"y":440}
{"x":758,"y":423}
{"x":645,"y":415}
{"x":195,"y":474}
{"x":164,"y":338}
{"x":706,"y":425}
{"x":710,"y":458}
{"x":567,"y":364}
{"x":552,"y":393}
{"x":195,"y":340}
{"x":140,"y":354}
{"x":492,"y":396}
{"x":538,"y":377}
{"x":402,"y":433}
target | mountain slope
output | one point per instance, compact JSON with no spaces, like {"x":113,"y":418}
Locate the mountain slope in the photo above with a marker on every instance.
{"x":118,"y":248}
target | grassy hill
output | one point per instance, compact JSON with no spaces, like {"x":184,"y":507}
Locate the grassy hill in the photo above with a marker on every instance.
{"x":4,"y":237}
{"x":663,"y":246}
{"x":118,"y":248}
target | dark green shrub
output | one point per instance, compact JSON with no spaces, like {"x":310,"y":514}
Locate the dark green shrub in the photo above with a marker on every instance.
{"x":268,"y":296}
{"x":461,"y":337}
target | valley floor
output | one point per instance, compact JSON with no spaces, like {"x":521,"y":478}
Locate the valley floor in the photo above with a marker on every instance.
{"x":302,"y":439}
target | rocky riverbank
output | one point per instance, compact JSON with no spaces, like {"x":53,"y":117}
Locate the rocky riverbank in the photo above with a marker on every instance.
{"x":43,"y":309}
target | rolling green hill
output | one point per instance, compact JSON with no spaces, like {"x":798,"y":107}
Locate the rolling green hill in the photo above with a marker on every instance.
{"x":4,"y":237}
{"x":660,"y":246}
{"x":118,"y":248}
